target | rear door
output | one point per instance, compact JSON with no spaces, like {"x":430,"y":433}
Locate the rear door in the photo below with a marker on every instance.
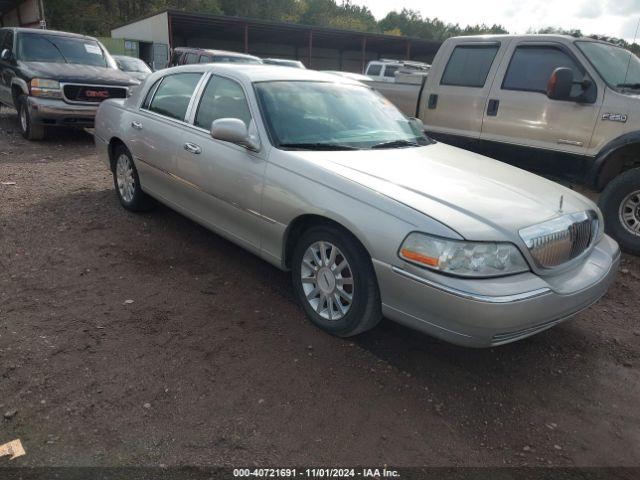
{"x":457,"y":90}
{"x":523,"y":126}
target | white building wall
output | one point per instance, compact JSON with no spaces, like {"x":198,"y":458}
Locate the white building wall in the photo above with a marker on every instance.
{"x":153,"y":29}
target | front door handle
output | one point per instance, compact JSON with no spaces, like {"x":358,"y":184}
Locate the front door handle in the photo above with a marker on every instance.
{"x":193,"y":148}
{"x":492,"y":108}
{"x":136,"y":125}
{"x":433,"y":101}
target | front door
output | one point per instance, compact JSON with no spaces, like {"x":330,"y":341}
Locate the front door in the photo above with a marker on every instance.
{"x":524,"y":126}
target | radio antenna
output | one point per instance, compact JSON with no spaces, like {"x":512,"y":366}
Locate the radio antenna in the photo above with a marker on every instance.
{"x":631,"y":53}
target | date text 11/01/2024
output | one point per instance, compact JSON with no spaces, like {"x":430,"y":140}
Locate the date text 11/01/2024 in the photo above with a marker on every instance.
{"x":316,"y":472}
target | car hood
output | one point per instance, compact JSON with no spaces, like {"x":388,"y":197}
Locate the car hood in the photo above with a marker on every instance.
{"x":68,"y":72}
{"x":472,"y":194}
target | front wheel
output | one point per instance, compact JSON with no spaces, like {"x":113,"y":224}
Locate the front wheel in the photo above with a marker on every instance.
{"x":334,"y":282}
{"x":28,"y":129}
{"x":620,"y":205}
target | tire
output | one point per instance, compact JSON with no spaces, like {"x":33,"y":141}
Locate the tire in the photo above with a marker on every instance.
{"x":28,"y":129}
{"x":357,"y":280}
{"x":620,"y":205}
{"x":127,"y":182}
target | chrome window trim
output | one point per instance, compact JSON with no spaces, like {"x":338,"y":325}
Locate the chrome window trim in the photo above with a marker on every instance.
{"x":74,"y":84}
{"x":473,"y":296}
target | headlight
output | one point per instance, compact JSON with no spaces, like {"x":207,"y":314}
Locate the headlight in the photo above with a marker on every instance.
{"x":464,"y":259}
{"x":42,"y":87}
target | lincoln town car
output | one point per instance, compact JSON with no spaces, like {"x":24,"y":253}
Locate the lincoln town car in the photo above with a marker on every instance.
{"x":321,"y":176}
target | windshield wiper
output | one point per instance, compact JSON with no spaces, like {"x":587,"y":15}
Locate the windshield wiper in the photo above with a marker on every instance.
{"x":396,"y":144}
{"x":632,"y":86}
{"x":318,"y":146}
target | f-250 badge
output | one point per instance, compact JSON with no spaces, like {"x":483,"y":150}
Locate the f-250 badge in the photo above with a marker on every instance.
{"x":615,"y":117}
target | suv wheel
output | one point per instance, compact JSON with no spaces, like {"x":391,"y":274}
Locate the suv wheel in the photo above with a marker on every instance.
{"x":127,"y":182}
{"x":335,"y":283}
{"x":29,"y":130}
{"x":620,"y":204}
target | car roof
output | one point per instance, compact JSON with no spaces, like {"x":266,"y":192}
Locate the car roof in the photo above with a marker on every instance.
{"x":39,"y":31}
{"x":208,"y":51}
{"x":527,"y":36}
{"x":263,"y":73}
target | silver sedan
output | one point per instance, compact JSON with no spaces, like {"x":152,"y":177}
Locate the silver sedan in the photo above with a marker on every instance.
{"x":322,"y":176}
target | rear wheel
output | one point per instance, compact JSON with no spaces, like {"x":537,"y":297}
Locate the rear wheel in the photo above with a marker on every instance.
{"x":127,"y":182}
{"x":28,"y":129}
{"x":335,"y":283}
{"x":620,"y":204}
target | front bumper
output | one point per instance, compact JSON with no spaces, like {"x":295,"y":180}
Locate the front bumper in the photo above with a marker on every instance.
{"x":54,"y":112}
{"x":490,"y":312}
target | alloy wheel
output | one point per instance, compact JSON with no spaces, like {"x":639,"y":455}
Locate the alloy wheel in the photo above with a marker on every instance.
{"x":124,"y":178}
{"x":327,"y":280}
{"x":630,"y":213}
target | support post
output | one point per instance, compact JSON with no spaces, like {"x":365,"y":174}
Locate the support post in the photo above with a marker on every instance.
{"x":246,"y":38}
{"x":364,"y":54}
{"x":408,"y":49}
{"x":310,"y":47}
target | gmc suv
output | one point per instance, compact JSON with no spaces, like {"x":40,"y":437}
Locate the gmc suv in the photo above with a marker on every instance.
{"x":56,"y":78}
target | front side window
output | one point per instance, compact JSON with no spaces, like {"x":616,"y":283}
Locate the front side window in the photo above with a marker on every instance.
{"x":374,"y":70}
{"x":222,"y":98}
{"x":37,"y":47}
{"x":173,"y":95}
{"x":323,"y":115}
{"x":618,"y":67}
{"x":469,"y":65}
{"x":531,"y":67}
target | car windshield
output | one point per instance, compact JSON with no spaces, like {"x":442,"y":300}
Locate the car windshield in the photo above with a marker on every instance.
{"x":36,"y":47}
{"x":323,"y":115}
{"x":130,"y":64}
{"x":618,"y":67}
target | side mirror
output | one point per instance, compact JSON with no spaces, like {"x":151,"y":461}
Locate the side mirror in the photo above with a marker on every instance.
{"x":6,"y":55}
{"x":234,"y":130}
{"x":416,"y":124}
{"x":560,"y":84}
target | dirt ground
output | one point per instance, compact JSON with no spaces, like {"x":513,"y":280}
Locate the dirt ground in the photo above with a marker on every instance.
{"x":214,"y":364}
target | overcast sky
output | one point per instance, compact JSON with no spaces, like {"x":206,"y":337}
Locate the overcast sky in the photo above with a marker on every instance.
{"x":616,"y":18}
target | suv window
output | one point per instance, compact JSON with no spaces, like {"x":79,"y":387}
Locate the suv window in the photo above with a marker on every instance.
{"x":206,"y":59}
{"x":531,"y":67}
{"x":173,"y":95}
{"x":374,"y":70}
{"x":191,"y":58}
{"x":222,"y":98}
{"x":175,"y":59}
{"x":6,"y":39}
{"x":469,"y":65}
{"x":390,"y":71}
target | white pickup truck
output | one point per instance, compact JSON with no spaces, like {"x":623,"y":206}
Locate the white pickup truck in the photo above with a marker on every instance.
{"x":553,"y":104}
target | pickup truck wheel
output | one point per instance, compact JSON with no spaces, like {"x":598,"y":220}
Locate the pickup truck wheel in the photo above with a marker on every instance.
{"x":620,"y":204}
{"x":29,"y":130}
{"x":127,"y":182}
{"x":335,"y":283}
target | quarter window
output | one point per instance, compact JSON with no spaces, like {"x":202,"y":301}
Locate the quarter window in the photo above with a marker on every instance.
{"x":374,"y":70}
{"x":174,"y":94}
{"x":532,"y":66}
{"x":191,"y":58}
{"x":222,"y":98}
{"x":469,"y":65}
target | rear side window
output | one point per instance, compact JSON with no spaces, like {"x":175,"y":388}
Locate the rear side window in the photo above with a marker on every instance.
{"x":222,"y":98}
{"x":531,"y":67}
{"x":469,"y":65}
{"x":173,"y":95}
{"x":191,"y":58}
{"x":390,"y":71}
{"x":374,"y":70}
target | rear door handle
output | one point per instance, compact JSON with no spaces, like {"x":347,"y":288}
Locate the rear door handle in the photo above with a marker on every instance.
{"x":193,"y":148}
{"x":433,"y":101}
{"x":136,"y":125}
{"x":492,"y":108}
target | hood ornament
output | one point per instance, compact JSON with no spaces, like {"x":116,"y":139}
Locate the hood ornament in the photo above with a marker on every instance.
{"x":561,"y":204}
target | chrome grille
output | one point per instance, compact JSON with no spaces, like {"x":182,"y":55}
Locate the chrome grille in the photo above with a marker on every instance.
{"x":561,"y":239}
